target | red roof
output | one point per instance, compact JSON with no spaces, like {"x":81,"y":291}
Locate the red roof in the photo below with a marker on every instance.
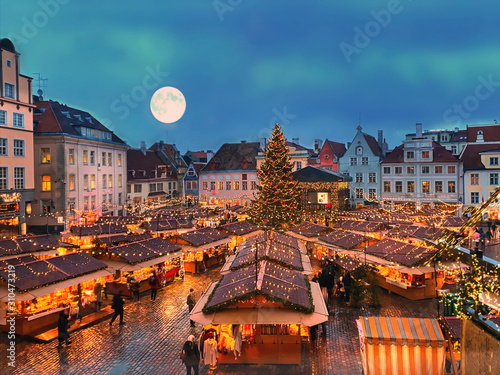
{"x":471,"y":157}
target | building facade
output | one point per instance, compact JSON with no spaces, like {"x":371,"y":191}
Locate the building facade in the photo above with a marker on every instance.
{"x":80,"y":168}
{"x":330,"y":154}
{"x":17,"y":185}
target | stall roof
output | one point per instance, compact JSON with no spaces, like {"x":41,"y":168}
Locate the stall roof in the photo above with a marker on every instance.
{"x":401,"y":331}
{"x":170,"y":224}
{"x":275,"y":236}
{"x":343,"y":239}
{"x":32,"y":274}
{"x":98,"y":229}
{"x":262,"y":315}
{"x":201,"y":237}
{"x":140,"y":251}
{"x":118,"y":219}
{"x":238,"y":228}
{"x":270,"y":279}
{"x":400,"y":252}
{"x":27,"y":244}
{"x":360,"y":225}
{"x":127,"y":267}
{"x":308,"y":229}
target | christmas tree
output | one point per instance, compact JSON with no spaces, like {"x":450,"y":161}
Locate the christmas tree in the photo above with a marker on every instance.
{"x":278,"y":197}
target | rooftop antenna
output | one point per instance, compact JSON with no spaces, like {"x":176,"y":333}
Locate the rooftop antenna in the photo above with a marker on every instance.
{"x":40,"y":83}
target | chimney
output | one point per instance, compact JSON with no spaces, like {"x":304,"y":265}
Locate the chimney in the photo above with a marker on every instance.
{"x":160,"y":146}
{"x":263,"y":143}
{"x":243,"y":141}
{"x":210,"y":155}
{"x":380,"y":138}
{"x":418,"y":133}
{"x":480,"y":137}
{"x":143,"y":147}
{"x":317,"y":145}
{"x":295,"y":140}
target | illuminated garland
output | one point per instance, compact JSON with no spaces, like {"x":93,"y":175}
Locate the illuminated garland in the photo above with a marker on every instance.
{"x":271,"y":259}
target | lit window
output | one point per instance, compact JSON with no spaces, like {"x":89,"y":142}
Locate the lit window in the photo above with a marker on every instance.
{"x":45,"y":155}
{"x":438,"y":187}
{"x":85,"y":182}
{"x":387,"y":186}
{"x":119,"y":162}
{"x":120,"y":180}
{"x":438,"y":169}
{"x":410,"y":186}
{"x":46,"y":183}
{"x":451,"y":169}
{"x":92,"y":181}
{"x":425,"y":187}
{"x":72,"y":184}
{"x":451,"y":186}
{"x":474,"y":179}
{"x":236,"y":185}
{"x":85,"y":157}
{"x":425,"y":154}
{"x":110,"y":158}
{"x":71,"y":156}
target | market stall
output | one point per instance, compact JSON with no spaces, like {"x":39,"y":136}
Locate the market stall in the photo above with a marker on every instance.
{"x":84,"y":235}
{"x":44,"y":287}
{"x":263,"y":311}
{"x":403,"y":346}
{"x":203,"y":248}
{"x":41,"y":246}
{"x":239,"y":231}
{"x":338,"y":239}
{"x":308,"y":233}
{"x":139,"y":259}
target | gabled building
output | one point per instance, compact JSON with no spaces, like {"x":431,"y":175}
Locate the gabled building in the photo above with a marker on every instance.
{"x":175,"y":163}
{"x":191,"y":187}
{"x":420,"y":174}
{"x":361,"y":161}
{"x":453,"y":140}
{"x":300,"y":156}
{"x":149,"y":183}
{"x":330,"y":154}
{"x":16,"y":143}
{"x":80,"y":168}
{"x":230,"y":177}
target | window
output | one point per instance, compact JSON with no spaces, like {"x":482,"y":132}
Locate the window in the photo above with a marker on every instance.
{"x":426,"y":169}
{"x":244,"y":176}
{"x":92,"y":202}
{"x":453,"y":150}
{"x":71,"y":156}
{"x":46,"y":183}
{"x":236,"y":185}
{"x":86,"y":203}
{"x":110,"y":159}
{"x":220,"y":185}
{"x":398,"y":187}
{"x":3,"y":147}
{"x":92,"y":157}
{"x":493,"y":178}
{"x":425,"y":154}
{"x":410,"y":170}
{"x":120,"y":198}
{"x":110,"y":198}
{"x":253,"y":185}
{"x":364,"y":160}
{"x":244,"y":185}
{"x":359,"y":193}
{"x":18,"y":120}
{"x":372,"y":194}
{"x":71,"y":205}
{"x":451,"y":169}
{"x":8,"y":63}
{"x":195,"y":185}
{"x":110,"y":180}
{"x":119,"y":160}
{"x":103,"y":159}
{"x":438,"y":169}
{"x":19,"y":178}
{"x":451,"y":186}
{"x":398,"y":170}
{"x":85,"y":182}
{"x":359,"y":177}
{"x":159,"y":186}
{"x":205,"y":185}
{"x":298,"y":165}
{"x":353,"y":161}
{"x":3,"y":118}
{"x":188,"y":185}
{"x":120,"y":180}
{"x":45,"y":155}
{"x":72,"y":184}
{"x":9,"y":90}
{"x":387,"y":186}
{"x":92,"y":181}
{"x":426,"y":187}
{"x":18,"y":147}
{"x":410,"y":186}
{"x":228,"y":185}
{"x":212,"y":185}
{"x":85,"y":157}
{"x":410,"y":155}
{"x":137,"y":188}
{"x":494,"y":160}
{"x":104,"y":181}
{"x":438,"y":186}
{"x":474,"y":178}
{"x":3,"y":178}
{"x":474,"y":197}
{"x":372,"y":178}
{"x":359,"y":150}
{"x":387,"y":170}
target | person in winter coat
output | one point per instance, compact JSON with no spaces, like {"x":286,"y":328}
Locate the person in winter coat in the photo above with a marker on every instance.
{"x":117,"y":305}
{"x":154,"y":283}
{"x":191,"y":356}
{"x":62,"y":329}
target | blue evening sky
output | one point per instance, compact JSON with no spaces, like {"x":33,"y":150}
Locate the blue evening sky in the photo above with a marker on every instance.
{"x":318,"y":68}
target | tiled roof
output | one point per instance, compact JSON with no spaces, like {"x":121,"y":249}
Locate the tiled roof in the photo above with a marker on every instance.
{"x":400,"y":252}
{"x":308,"y":229}
{"x":373,"y":144}
{"x":27,"y":244}
{"x":238,"y":228}
{"x":201,"y":236}
{"x":98,"y":229}
{"x":343,"y":239}
{"x":471,"y":157}
{"x":491,"y":133}
{"x":338,"y":148}
{"x":144,"y":166}
{"x":440,"y":154}
{"x":140,"y":251}
{"x":359,"y":225}
{"x":234,"y":157}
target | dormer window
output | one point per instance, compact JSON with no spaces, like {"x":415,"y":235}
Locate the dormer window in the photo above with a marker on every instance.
{"x":359,"y":150}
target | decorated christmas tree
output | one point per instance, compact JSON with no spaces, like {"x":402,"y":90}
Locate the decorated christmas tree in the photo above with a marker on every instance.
{"x":278,"y":197}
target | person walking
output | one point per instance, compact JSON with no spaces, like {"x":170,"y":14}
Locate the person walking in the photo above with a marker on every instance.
{"x":154,"y":283}
{"x":191,"y":355}
{"x":117,"y":305}
{"x":98,"y":296}
{"x":191,"y":301}
{"x":62,"y":329}
{"x":135,"y":287}
{"x":348,"y":281}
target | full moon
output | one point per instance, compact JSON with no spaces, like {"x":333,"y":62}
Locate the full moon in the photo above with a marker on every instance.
{"x":168,"y":104}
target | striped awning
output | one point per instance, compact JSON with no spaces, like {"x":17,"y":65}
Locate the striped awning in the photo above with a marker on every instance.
{"x":401,"y":331}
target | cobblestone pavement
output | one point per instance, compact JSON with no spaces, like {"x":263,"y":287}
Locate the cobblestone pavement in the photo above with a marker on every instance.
{"x":150,"y":341}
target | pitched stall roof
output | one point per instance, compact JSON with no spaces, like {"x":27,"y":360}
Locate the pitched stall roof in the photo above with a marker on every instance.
{"x":32,"y":273}
{"x":238,"y":228}
{"x":199,"y":237}
{"x":343,"y":239}
{"x":360,"y":226}
{"x":27,"y":244}
{"x":317,"y":174}
{"x":98,"y":229}
{"x":118,"y":219}
{"x":140,"y":251}
{"x":308,"y":229}
{"x":400,"y":252}
{"x":348,"y":262}
{"x":268,"y":279}
{"x":169,"y":224}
